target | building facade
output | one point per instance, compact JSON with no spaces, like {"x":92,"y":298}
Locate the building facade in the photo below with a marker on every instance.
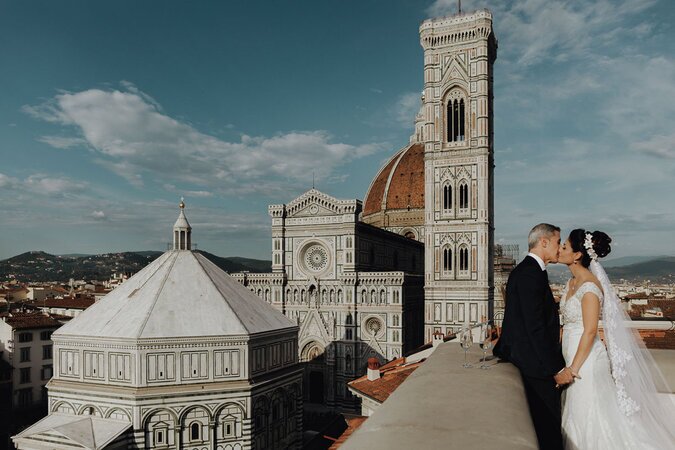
{"x":179,"y":356}
{"x":354,"y":290}
{"x":26,"y":346}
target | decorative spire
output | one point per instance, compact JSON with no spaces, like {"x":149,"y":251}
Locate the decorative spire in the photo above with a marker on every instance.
{"x":182,"y":231}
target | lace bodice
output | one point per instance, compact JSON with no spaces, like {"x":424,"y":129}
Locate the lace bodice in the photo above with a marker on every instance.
{"x":570,"y":308}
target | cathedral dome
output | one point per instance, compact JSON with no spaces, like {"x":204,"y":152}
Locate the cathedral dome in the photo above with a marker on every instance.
{"x":395,"y":198}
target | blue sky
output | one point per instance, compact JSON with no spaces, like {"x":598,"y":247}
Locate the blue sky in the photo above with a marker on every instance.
{"x":111,"y":110}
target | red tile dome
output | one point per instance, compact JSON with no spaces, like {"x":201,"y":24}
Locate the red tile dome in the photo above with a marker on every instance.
{"x":398,"y":188}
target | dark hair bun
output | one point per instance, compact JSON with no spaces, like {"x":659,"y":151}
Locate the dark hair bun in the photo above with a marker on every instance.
{"x":601,"y":244}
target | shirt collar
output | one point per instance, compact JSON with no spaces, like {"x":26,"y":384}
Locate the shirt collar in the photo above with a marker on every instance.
{"x":539,"y":260}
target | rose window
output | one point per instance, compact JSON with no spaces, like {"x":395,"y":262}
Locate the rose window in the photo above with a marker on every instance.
{"x":373,"y":325}
{"x":316,"y":258}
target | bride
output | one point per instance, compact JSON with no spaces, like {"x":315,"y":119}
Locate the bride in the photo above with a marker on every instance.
{"x":614,"y":402}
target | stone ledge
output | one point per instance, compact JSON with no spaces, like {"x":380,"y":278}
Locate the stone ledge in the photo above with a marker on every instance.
{"x":442,"y":405}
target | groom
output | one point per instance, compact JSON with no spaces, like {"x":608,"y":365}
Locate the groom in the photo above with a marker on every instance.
{"x":530,"y":336}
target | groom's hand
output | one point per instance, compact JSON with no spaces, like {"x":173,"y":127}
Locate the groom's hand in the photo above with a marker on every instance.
{"x":563,"y":377}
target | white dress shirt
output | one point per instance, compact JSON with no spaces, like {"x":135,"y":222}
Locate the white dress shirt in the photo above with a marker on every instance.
{"x":539,"y":260}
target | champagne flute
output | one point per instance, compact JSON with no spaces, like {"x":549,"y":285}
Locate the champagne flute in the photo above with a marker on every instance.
{"x":466,"y":342}
{"x":486,"y":344}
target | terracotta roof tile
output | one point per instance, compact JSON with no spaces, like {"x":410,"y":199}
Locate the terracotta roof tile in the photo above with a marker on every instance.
{"x":22,"y":321}
{"x":392,"y":375}
{"x":67,"y":302}
{"x":353,"y":424}
{"x":653,"y":339}
{"x":373,"y":201}
{"x":405,"y":189}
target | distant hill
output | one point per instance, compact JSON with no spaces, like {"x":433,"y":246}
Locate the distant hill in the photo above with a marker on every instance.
{"x":255,"y":265}
{"x":659,"y":269}
{"x":629,"y":260}
{"x":238,"y":264}
{"x":38,"y":266}
{"x":655,"y":270}
{"x":41,"y":266}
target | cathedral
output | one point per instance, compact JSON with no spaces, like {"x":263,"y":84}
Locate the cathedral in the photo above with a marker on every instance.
{"x":355,"y":291}
{"x":378,"y":278}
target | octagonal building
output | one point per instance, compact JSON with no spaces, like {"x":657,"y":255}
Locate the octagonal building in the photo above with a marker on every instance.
{"x":179,"y":356}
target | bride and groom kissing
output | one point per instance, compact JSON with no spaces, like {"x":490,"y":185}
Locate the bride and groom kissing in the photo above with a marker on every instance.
{"x":582,"y":393}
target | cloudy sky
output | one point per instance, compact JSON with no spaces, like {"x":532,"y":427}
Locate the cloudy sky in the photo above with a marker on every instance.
{"x":111,"y":110}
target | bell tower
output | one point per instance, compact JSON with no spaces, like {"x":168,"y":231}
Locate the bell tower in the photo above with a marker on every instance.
{"x":455,"y":124}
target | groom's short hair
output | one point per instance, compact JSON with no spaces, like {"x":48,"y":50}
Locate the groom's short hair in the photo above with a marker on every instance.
{"x":542,"y":230}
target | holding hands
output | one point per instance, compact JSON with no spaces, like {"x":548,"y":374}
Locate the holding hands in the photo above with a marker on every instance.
{"x":565,"y":376}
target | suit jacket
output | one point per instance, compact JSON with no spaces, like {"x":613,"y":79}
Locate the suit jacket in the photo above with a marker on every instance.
{"x":530,"y":336}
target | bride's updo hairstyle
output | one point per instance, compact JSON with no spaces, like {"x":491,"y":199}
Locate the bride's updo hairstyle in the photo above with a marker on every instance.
{"x":600,"y":244}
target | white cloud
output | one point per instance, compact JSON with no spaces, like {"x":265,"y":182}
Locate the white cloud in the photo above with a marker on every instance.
{"x":133,"y":137}
{"x":62,"y":141}
{"x":98,"y":215}
{"x":42,"y":184}
{"x":540,"y":30}
{"x":662,"y":146}
{"x":198,"y":194}
{"x":52,"y":186}
{"x":7,"y":181}
{"x":406,"y":108}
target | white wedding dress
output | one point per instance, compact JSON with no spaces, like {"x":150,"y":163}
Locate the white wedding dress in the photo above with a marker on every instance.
{"x":591,"y":416}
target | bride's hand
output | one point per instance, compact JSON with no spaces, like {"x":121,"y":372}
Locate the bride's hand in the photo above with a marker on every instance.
{"x":575,"y":373}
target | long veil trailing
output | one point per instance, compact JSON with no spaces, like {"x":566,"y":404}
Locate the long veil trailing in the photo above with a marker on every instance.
{"x":642,"y":392}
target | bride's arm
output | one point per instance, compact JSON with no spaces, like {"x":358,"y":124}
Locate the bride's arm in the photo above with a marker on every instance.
{"x":590,"y":310}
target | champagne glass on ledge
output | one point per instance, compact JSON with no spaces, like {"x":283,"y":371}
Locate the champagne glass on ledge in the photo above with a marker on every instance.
{"x":486,"y":343}
{"x":466,"y":341}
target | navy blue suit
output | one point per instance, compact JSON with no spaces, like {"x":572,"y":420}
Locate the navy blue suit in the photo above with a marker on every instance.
{"x":530,"y":340}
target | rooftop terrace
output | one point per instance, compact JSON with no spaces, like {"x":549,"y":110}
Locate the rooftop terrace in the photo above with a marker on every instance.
{"x":442,"y":405}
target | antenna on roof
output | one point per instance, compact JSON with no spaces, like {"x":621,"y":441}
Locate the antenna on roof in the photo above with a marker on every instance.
{"x":312,"y":179}
{"x":459,"y":6}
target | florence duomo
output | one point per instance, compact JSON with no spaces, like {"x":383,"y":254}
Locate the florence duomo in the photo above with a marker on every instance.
{"x":414,"y":219}
{"x":416,"y":257}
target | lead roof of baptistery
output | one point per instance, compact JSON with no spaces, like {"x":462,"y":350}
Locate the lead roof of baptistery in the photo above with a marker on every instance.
{"x":180,"y":294}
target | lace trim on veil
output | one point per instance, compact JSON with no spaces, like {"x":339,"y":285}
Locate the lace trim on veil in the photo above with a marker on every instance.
{"x":638,"y":380}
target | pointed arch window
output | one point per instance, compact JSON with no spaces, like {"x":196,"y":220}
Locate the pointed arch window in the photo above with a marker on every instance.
{"x":447,"y":196}
{"x":447,"y":259}
{"x":464,"y":258}
{"x":463,"y":195}
{"x":455,"y":120}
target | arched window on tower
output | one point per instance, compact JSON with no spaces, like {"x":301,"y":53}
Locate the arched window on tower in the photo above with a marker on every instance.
{"x":447,"y":197}
{"x":463,"y":195}
{"x":460,"y":137}
{"x":464,"y":258}
{"x":447,"y":259}
{"x":456,"y":120}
